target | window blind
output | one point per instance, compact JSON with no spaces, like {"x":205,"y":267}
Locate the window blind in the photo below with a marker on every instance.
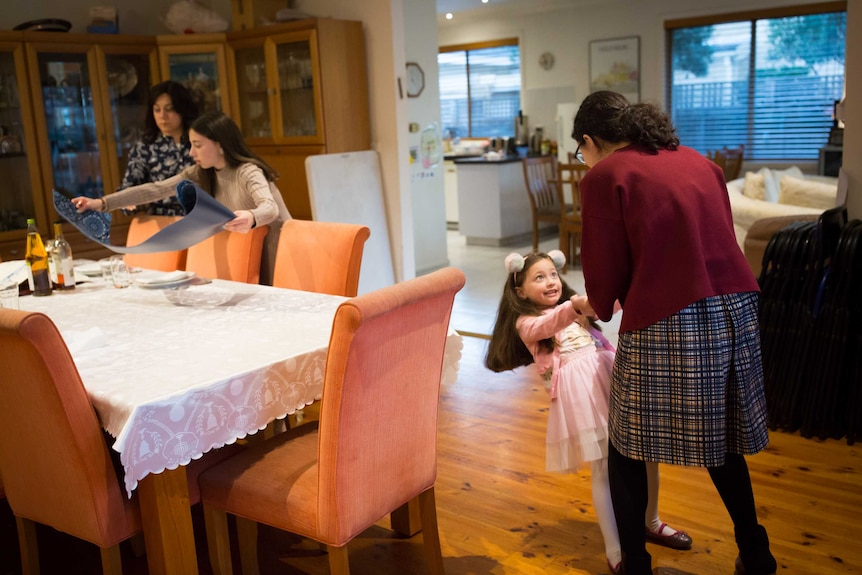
{"x":768,"y":83}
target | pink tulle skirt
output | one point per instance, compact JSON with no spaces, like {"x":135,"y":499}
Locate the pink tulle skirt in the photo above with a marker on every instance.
{"x":578,"y":417}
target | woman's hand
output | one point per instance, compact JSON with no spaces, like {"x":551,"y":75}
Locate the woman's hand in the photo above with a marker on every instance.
{"x":243,"y":222}
{"x":83,"y":204}
{"x":582,"y":305}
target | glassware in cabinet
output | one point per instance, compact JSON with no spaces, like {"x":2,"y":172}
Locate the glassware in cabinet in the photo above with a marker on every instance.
{"x":19,"y":167}
{"x":198,"y":63}
{"x":296,"y":89}
{"x":253,"y":92}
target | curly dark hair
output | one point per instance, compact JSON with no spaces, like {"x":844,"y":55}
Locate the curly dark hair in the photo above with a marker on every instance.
{"x":181,"y":101}
{"x":609,"y":118}
{"x":506,"y":350}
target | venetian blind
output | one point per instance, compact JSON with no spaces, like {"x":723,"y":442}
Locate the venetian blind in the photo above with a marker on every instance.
{"x":769,"y":83}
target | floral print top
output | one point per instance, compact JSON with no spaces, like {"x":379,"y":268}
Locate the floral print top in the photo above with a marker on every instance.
{"x":154,"y":162}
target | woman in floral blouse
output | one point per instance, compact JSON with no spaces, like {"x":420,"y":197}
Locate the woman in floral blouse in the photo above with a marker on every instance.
{"x":163,"y":150}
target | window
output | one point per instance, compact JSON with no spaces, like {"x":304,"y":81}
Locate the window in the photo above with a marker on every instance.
{"x":480,"y":89}
{"x":770,"y":82}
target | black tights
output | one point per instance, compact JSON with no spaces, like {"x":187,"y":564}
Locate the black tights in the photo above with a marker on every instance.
{"x":628,"y":482}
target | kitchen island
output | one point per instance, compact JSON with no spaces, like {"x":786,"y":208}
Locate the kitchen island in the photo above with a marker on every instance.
{"x":493,"y":206}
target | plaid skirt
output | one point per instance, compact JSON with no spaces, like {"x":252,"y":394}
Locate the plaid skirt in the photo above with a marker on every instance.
{"x":689,"y":389}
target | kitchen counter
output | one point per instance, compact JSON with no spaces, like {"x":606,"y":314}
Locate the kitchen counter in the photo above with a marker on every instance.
{"x":479,"y":160}
{"x":493,"y":206}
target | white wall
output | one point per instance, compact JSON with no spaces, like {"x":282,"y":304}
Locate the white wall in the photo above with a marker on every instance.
{"x":427,"y":191}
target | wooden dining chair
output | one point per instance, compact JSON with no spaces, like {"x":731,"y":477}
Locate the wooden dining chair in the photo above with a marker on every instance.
{"x":571,"y":225}
{"x":229,"y":256}
{"x":546,"y":201}
{"x":375,"y":448}
{"x":141,"y":228}
{"x":729,"y":160}
{"x":322,"y":257}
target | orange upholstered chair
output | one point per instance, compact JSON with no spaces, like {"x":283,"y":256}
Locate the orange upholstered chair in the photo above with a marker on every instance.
{"x":322,"y":257}
{"x":56,"y":467}
{"x":229,"y":256}
{"x":375,"y":448}
{"x":140,"y":229}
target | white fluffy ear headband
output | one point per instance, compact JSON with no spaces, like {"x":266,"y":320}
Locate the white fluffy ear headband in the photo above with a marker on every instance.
{"x":515,"y":261}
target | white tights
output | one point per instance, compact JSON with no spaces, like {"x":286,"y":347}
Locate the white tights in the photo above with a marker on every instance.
{"x":605,"y":509}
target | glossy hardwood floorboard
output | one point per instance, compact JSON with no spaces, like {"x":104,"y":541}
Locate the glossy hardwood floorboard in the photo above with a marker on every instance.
{"x":500,"y":513}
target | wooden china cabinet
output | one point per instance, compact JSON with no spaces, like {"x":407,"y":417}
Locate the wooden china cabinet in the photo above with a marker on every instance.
{"x":21,"y":187}
{"x":300,"y":89}
{"x":72,"y":106}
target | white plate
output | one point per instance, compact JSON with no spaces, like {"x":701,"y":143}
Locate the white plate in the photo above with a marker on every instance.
{"x":150,"y":280}
{"x":89,"y":270}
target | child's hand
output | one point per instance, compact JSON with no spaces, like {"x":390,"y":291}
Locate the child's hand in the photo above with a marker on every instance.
{"x":582,"y":305}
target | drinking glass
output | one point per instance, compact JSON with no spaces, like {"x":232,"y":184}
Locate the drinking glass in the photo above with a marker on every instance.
{"x":105,"y":266}
{"x":120,"y":272}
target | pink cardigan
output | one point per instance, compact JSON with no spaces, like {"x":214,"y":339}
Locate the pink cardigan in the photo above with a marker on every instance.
{"x":534,"y":328}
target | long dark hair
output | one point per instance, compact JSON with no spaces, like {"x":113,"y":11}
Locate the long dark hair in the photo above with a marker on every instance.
{"x":221,"y":129}
{"x":507,"y":350}
{"x":611,"y":119}
{"x":182,"y":102}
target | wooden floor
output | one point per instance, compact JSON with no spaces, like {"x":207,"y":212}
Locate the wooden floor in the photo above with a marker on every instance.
{"x":499,"y":513}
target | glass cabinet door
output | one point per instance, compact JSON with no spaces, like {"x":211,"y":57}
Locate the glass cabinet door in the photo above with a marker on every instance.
{"x":201,"y":69}
{"x":66,"y":81}
{"x":252,"y":92}
{"x":17,"y":200}
{"x":128,"y":85}
{"x":298,"y":91}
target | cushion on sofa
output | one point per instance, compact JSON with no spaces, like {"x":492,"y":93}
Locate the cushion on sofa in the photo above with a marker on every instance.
{"x":755,"y":185}
{"x":807,"y":193}
{"x":773,"y":178}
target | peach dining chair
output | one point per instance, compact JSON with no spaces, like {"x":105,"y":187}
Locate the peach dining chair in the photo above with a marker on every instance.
{"x":375,"y":448}
{"x":571,"y":225}
{"x":61,"y":474}
{"x":141,"y":228}
{"x":322,"y":257}
{"x":546,"y":200}
{"x":229,"y":256}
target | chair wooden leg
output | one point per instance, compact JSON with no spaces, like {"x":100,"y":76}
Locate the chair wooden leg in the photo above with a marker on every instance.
{"x":29,"y":546}
{"x":246,"y":531}
{"x":338,"y":564}
{"x":405,"y":520}
{"x":139,"y":547}
{"x":218,"y":540}
{"x":430,"y":534}
{"x":112,"y":562}
{"x":565,"y":242}
{"x":535,"y":235}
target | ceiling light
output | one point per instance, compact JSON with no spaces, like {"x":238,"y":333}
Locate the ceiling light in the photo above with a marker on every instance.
{"x":448,"y":15}
{"x":484,"y":1}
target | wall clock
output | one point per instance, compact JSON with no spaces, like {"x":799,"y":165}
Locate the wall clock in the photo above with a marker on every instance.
{"x":415,"y":80}
{"x":546,"y":61}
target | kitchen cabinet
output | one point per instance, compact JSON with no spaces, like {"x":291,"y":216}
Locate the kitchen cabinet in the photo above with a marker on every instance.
{"x":19,"y":166}
{"x":300,"y":89}
{"x":197,"y":61}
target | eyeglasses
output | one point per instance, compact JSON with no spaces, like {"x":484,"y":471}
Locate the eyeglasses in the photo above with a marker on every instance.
{"x":579,"y":156}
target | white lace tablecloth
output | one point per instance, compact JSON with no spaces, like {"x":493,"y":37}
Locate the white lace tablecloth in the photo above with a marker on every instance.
{"x":176,"y":373}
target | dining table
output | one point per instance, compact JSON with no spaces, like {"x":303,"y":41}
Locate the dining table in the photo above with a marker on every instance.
{"x":178,"y":367}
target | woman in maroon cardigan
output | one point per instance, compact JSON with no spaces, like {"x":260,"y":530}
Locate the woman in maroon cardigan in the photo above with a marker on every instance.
{"x":687,"y":386}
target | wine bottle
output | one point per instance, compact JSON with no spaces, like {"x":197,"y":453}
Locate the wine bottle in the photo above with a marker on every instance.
{"x":37,"y":261}
{"x":61,"y":254}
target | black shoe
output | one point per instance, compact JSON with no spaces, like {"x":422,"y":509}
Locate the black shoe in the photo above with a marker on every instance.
{"x":739,"y":568}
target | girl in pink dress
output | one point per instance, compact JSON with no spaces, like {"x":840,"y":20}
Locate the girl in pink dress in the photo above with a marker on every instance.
{"x":538,"y":323}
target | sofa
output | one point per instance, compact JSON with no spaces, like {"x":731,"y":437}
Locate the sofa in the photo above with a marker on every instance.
{"x":771,"y":193}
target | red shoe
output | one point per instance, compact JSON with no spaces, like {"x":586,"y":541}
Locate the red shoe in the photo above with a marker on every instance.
{"x":679,"y":540}
{"x":618,"y":570}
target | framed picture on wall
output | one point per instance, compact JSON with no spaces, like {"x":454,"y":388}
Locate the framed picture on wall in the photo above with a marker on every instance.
{"x":615,"y":65}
